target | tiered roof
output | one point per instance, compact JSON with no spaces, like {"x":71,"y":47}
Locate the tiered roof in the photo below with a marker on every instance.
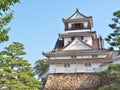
{"x":61,"y":53}
{"x":78,"y":52}
{"x":77,"y":34}
{"x":78,"y":47}
{"x":78,"y":17}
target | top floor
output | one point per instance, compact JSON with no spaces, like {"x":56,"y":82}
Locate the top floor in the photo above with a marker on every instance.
{"x":78,"y":22}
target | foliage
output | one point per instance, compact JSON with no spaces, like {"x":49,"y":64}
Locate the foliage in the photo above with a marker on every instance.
{"x":114,"y":67}
{"x":114,"y":41}
{"x":111,"y":87}
{"x":15,"y":72}
{"x":5,"y":18}
{"x":114,"y":38}
{"x":40,"y":67}
{"x":113,"y":70}
{"x":5,"y":5}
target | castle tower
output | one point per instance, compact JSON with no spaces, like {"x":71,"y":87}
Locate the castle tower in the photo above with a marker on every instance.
{"x":78,"y":49}
{"x":77,"y":55}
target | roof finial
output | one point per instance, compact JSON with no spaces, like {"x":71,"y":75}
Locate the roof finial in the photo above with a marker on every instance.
{"x":77,"y":10}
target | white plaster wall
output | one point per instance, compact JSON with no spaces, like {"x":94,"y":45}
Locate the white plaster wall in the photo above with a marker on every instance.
{"x":77,"y":45}
{"x":52,"y":68}
{"x":70,"y":25}
{"x":89,"y":40}
{"x":71,"y":69}
{"x":66,"y":57}
{"x":85,"y":24}
{"x":80,"y":68}
{"x":59,"y":68}
{"x":69,"y":57}
{"x":83,"y":57}
{"x":76,"y":68}
{"x":77,"y":15}
{"x":96,"y":67}
{"x":81,"y":30}
{"x":66,"y":41}
{"x":116,"y":62}
{"x":102,"y":56}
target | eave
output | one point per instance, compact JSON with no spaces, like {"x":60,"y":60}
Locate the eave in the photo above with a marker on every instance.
{"x":77,"y":34}
{"x":87,"y":19}
{"x":76,"y":61}
{"x":77,"y":53}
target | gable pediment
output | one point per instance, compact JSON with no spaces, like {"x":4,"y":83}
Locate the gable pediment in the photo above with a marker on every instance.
{"x":77,"y":44}
{"x":76,"y":16}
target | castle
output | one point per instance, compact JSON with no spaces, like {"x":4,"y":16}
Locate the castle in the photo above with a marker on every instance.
{"x":78,"y":50}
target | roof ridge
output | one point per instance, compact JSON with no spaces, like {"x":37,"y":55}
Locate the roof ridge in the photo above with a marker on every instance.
{"x":77,"y":11}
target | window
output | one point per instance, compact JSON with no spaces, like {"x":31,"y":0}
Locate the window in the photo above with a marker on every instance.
{"x":73,"y":26}
{"x":73,"y":57}
{"x":77,"y":25}
{"x":82,"y":37}
{"x":87,"y":64}
{"x":69,"y":42}
{"x":72,"y":38}
{"x":67,"y":65}
{"x":81,"y":25}
{"x":85,"y":40}
{"x":94,"y":56}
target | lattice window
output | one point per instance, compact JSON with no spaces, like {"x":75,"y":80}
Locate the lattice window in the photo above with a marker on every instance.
{"x":66,"y":65}
{"x":78,"y":25}
{"x":87,"y":64}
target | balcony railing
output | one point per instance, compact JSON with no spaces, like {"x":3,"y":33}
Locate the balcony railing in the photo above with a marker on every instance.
{"x":66,"y":29}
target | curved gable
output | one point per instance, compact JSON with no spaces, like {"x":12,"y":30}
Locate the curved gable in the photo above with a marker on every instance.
{"x":77,"y":44}
{"x":76,"y":15}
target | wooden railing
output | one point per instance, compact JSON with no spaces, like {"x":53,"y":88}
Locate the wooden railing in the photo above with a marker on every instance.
{"x":66,"y":29}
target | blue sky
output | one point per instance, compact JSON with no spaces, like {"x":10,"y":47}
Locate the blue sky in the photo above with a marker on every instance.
{"x":37,"y":23}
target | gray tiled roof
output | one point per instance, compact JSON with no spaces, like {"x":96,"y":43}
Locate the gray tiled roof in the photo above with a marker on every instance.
{"x":76,"y":34}
{"x":92,"y":60}
{"x":59,"y":44}
{"x":78,"y":52}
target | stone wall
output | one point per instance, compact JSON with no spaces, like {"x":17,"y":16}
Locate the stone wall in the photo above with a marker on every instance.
{"x":72,"y":82}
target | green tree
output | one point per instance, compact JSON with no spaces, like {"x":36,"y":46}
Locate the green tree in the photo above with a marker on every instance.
{"x":111,"y":87}
{"x":15,"y":72}
{"x":40,"y":67}
{"x":114,"y":38}
{"x":5,"y":5}
{"x":114,"y":71}
{"x":5,"y":18}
